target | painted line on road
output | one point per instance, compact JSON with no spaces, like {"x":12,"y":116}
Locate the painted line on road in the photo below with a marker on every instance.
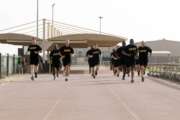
{"x":51,"y":110}
{"x":129,"y":110}
{"x":49,"y":113}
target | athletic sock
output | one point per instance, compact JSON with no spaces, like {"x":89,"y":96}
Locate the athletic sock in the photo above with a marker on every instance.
{"x":35,"y":74}
{"x":32,"y":72}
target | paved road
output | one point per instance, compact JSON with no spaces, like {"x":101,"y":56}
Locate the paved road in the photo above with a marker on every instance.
{"x":83,"y":98}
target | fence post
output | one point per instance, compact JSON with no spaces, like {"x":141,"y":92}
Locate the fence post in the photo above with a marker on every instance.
{"x":0,"y":67}
{"x":13,"y":64}
{"x":7,"y":65}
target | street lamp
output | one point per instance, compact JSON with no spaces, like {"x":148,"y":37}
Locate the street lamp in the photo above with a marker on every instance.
{"x":100,"y":18}
{"x":52,"y":31}
{"x":37,"y":21}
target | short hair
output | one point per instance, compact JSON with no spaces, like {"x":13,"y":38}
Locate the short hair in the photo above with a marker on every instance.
{"x":131,"y":41}
{"x":123,"y":43}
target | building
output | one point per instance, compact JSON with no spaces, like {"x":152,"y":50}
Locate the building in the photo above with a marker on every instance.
{"x":164,"y":51}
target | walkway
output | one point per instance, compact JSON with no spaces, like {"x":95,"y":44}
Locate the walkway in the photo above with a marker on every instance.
{"x":83,"y":98}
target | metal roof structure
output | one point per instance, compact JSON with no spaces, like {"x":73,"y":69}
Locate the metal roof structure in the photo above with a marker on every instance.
{"x":57,"y":34}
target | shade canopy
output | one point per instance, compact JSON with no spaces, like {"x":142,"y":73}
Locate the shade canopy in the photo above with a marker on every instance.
{"x":16,"y":39}
{"x":85,"y":40}
{"x":76,"y":40}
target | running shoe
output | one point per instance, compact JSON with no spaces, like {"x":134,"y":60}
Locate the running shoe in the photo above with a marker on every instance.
{"x":96,"y":73}
{"x":117,"y":75}
{"x":142,"y":79}
{"x":32,"y":78}
{"x":132,"y":81}
{"x":94,"y":76}
{"x":66,"y":79}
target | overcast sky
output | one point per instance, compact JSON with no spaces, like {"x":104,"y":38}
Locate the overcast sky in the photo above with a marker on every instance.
{"x":138,"y":19}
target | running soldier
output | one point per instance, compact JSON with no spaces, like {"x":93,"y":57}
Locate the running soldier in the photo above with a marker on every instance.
{"x":143,"y":58}
{"x":123,"y":56}
{"x":96,"y":60}
{"x":34,"y":50}
{"x":89,"y":54}
{"x":131,"y":52}
{"x":55,"y":61}
{"x":115,"y":62}
{"x":66,"y":52}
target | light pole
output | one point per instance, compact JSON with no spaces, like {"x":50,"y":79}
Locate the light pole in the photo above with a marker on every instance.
{"x":37,"y":22}
{"x":52,"y":31}
{"x":100,"y":18}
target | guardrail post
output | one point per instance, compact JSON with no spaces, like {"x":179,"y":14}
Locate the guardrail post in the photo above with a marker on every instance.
{"x":7,"y":72}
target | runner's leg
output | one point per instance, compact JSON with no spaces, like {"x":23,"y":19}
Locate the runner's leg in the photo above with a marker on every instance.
{"x":32,"y":72}
{"x":132,"y":74}
{"x":142,"y":72}
{"x":36,"y":70}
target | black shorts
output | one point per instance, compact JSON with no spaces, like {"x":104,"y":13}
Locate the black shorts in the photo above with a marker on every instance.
{"x":143,"y":62}
{"x":96,"y":63}
{"x":137,"y":61}
{"x":130,"y":62}
{"x":116,"y":63}
{"x":66,"y":61}
{"x":91,"y":63}
{"x":56,"y":64}
{"x":34,"y":60}
{"x":123,"y":61}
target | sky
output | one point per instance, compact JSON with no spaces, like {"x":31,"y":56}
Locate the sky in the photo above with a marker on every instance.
{"x":138,"y":19}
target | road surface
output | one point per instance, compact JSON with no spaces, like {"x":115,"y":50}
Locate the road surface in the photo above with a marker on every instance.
{"x":83,"y":98}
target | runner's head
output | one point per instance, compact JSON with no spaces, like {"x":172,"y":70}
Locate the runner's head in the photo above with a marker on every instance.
{"x":96,"y":46}
{"x":67,"y":43}
{"x":56,"y":46}
{"x":123,"y":43}
{"x":91,"y":47}
{"x":142,"y":43}
{"x":113,"y":49}
{"x":33,"y":40}
{"x":131,"y":42}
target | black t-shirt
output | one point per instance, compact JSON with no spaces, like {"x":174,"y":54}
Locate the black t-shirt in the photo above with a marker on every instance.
{"x":55,"y":55}
{"x":89,"y":53}
{"x":114,"y":55}
{"x":34,"y":50}
{"x":120,"y":50}
{"x":66,"y":51}
{"x":131,"y":50}
{"x":143,"y":52}
{"x":96,"y":53}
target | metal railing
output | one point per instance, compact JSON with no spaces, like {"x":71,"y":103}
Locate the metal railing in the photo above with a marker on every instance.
{"x":8,"y":65}
{"x":165,"y":71}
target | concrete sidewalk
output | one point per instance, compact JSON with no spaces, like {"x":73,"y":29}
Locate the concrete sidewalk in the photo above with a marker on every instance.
{"x":83,"y":98}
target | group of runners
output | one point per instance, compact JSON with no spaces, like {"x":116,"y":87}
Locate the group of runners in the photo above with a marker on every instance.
{"x":56,"y":56}
{"x":125,"y":58}
{"x":129,"y":58}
